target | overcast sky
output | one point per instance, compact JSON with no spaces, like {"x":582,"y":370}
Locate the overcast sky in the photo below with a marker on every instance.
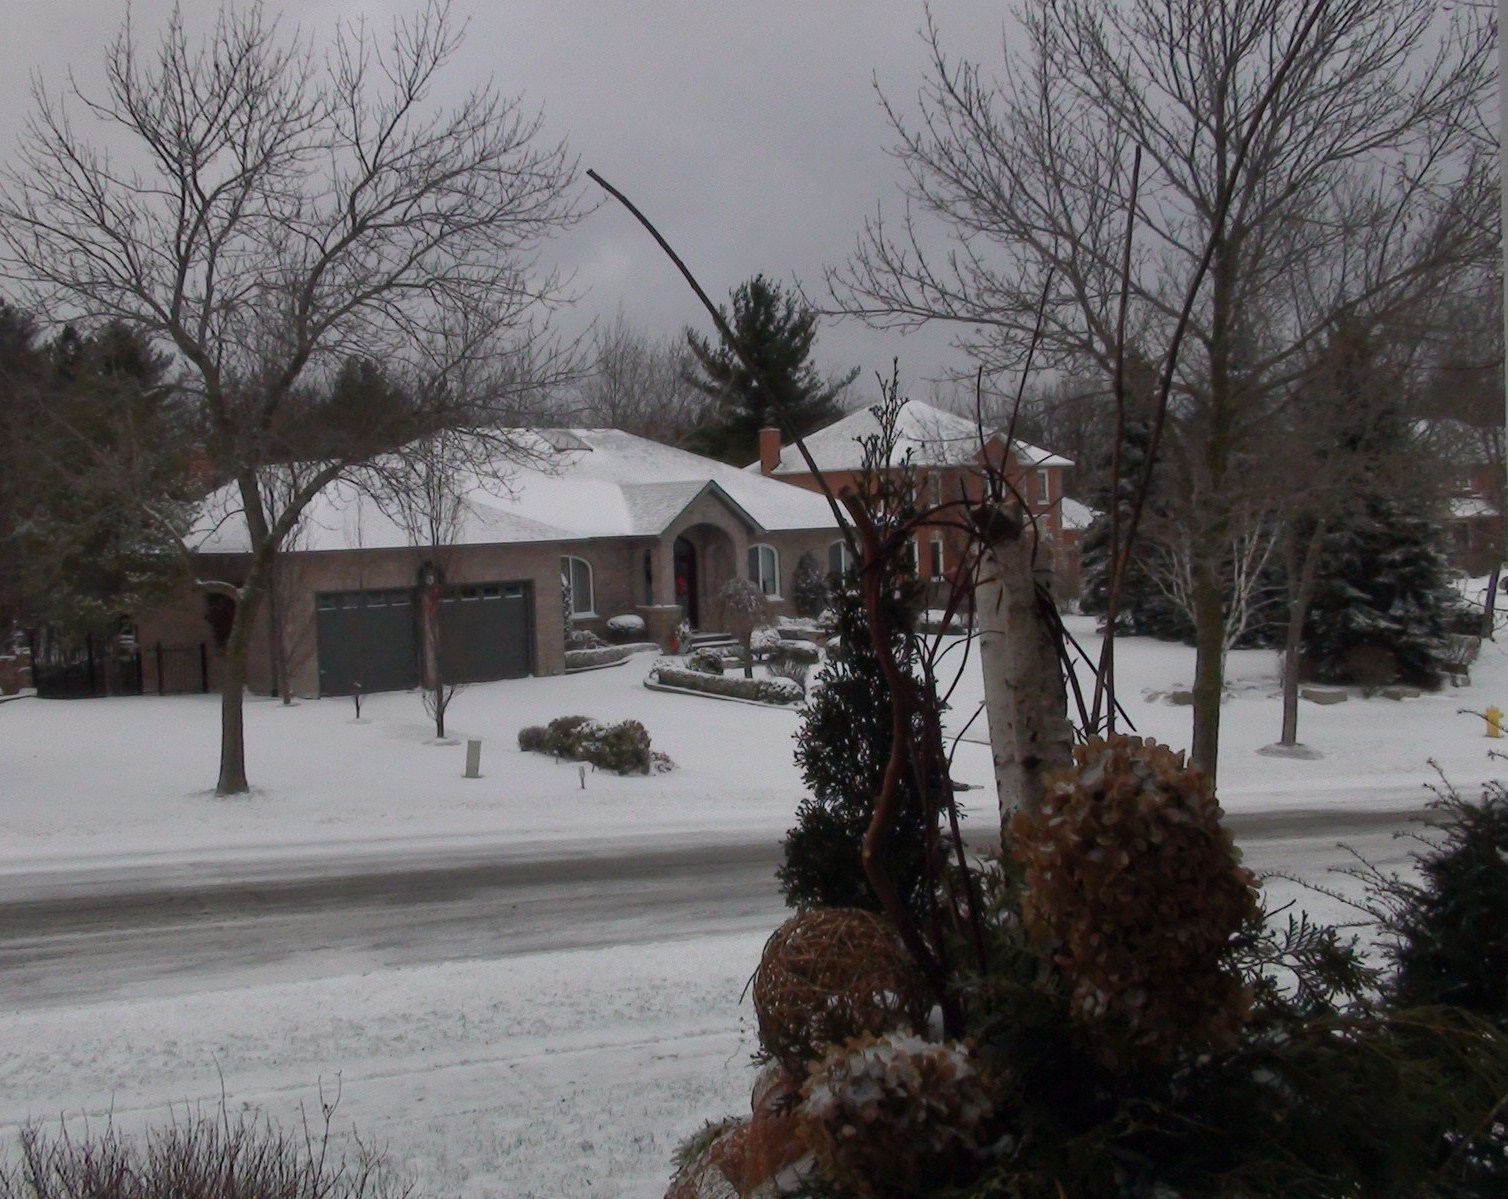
{"x":749,"y":132}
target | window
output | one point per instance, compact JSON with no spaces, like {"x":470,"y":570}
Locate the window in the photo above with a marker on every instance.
{"x":1044,"y":486}
{"x":764,"y":568}
{"x":934,"y":489}
{"x":935,"y":556}
{"x":576,"y":579}
{"x":839,"y":558}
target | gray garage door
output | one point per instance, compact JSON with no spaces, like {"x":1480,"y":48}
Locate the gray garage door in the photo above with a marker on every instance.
{"x":372,"y":637}
{"x":486,"y":632}
{"x":368,"y":638}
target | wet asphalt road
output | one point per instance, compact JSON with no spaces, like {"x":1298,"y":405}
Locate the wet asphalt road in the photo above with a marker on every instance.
{"x":138,"y":935}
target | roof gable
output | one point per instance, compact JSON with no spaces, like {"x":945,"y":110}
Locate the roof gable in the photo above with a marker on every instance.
{"x":933,"y":438}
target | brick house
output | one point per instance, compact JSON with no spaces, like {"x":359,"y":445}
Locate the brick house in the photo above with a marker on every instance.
{"x":602,"y":521}
{"x":950,"y":460}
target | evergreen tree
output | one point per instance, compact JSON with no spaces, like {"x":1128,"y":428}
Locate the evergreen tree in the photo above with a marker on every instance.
{"x":1144,"y":610}
{"x":97,"y":501}
{"x":810,"y":587}
{"x":845,"y":739}
{"x":777,"y":334}
{"x":1384,"y":604}
{"x":842,"y":749}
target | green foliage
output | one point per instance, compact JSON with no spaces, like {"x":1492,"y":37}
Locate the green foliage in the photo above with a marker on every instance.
{"x":1329,"y":1089}
{"x":1448,"y":933}
{"x":1384,"y":605}
{"x":842,"y":748}
{"x":777,"y":334}
{"x":810,"y":586}
{"x":623,"y":748}
{"x":95,"y":491}
{"x":1324,"y":1095}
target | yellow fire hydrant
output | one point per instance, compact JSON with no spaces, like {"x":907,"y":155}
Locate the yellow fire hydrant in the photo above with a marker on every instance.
{"x":1494,"y":722}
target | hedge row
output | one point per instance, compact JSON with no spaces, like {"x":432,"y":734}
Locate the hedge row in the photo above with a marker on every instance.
{"x":604,"y":655}
{"x":765,"y":691}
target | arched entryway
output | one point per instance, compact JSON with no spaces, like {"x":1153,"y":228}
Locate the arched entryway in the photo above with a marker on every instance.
{"x":703,"y":560}
{"x":686,"y":590}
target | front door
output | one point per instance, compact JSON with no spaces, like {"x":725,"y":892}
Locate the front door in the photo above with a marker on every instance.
{"x":685,"y":580}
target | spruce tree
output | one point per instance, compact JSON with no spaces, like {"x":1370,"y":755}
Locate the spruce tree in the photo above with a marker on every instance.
{"x":1144,"y":610}
{"x":842,"y":749}
{"x":1383,"y":607}
{"x":777,"y":334}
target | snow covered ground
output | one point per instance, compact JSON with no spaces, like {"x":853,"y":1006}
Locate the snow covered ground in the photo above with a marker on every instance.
{"x":549,"y":1074}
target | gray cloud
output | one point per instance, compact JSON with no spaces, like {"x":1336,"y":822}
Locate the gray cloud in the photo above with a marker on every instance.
{"x":750,"y":133}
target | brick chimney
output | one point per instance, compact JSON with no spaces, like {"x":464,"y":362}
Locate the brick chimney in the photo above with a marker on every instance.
{"x":769,"y":450}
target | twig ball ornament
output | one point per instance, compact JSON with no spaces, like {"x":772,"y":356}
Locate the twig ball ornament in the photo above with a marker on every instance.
{"x":830,"y":974}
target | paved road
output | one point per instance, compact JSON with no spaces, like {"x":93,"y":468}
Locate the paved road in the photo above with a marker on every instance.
{"x":136,"y":935}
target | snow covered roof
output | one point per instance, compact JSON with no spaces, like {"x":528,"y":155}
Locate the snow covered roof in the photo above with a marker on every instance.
{"x":572,"y":485}
{"x":1076,"y":515}
{"x":934,"y":438}
{"x":1472,"y":508}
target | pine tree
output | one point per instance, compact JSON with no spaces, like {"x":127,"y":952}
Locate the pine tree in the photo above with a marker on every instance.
{"x":1384,"y":605}
{"x":95,"y":526}
{"x":777,"y":334}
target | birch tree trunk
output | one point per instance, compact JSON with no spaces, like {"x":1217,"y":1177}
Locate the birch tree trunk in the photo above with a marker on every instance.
{"x":1025,"y":698}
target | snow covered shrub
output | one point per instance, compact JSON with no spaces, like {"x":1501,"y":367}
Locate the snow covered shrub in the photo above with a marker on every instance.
{"x":896,"y":1115}
{"x":583,"y":639}
{"x":765,"y":640}
{"x":705,"y":661}
{"x":787,"y":668}
{"x":765,"y":691}
{"x":1131,"y":879}
{"x":831,"y":974}
{"x":623,"y":748}
{"x":792,"y":649}
{"x":605,"y":655}
{"x":628,"y":625}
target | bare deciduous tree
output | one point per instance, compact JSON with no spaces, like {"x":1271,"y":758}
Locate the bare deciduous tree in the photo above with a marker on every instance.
{"x":1343,"y":137}
{"x":640,"y":385}
{"x":267,"y":211}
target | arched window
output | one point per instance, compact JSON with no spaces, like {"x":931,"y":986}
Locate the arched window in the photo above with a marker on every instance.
{"x":764,"y":568}
{"x":576,"y":578}
{"x":840,"y":559}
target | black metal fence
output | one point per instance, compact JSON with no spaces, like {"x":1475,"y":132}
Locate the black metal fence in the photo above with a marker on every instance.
{"x":62,"y":670}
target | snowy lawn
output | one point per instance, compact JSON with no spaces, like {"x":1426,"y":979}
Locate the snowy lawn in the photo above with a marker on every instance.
{"x":548,"y":1074}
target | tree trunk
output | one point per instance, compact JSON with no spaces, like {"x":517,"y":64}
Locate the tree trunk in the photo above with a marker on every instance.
{"x":232,"y":696}
{"x":1209,"y":665}
{"x":232,"y":728}
{"x":280,"y":649}
{"x":1490,"y":605}
{"x":1025,"y":698}
{"x":1301,"y":583}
